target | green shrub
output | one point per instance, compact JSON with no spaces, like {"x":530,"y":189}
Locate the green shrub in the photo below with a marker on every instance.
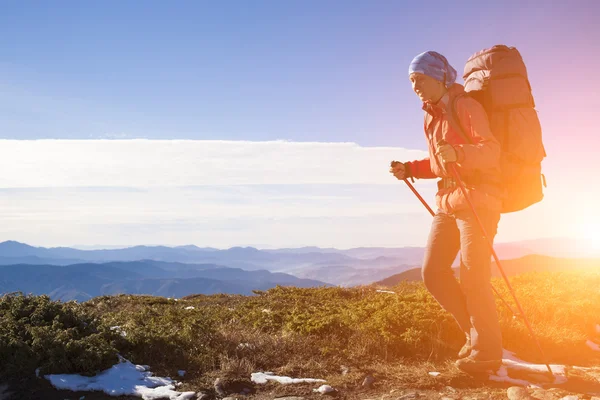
{"x":290,"y":330}
{"x":55,"y":337}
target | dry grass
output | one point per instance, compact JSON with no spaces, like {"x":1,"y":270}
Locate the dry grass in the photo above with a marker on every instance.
{"x":343,"y":335}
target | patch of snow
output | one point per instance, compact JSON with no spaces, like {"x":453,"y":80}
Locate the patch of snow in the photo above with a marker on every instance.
{"x":324,"y":389}
{"x":123,"y":378}
{"x":575,"y":367}
{"x":37,"y":372}
{"x":385,"y":291}
{"x":502,"y":376}
{"x":242,"y":346}
{"x":592,"y":345}
{"x":266,"y":310}
{"x":511,"y":361}
{"x":181,"y":373}
{"x":190,"y":308}
{"x":435,"y":373}
{"x":119,"y":330}
{"x":262,"y":378}
{"x":142,"y":368}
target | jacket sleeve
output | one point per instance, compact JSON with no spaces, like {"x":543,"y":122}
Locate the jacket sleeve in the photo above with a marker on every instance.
{"x":420,"y":169}
{"x":484,"y":151}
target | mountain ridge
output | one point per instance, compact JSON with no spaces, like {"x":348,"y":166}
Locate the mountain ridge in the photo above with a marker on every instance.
{"x":84,"y":281}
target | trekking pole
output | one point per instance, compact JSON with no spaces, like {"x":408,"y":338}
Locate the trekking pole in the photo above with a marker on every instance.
{"x":419,"y":197}
{"x":433,"y":214}
{"x":491,"y":246}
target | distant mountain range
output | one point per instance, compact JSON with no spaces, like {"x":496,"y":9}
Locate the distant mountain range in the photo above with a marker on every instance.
{"x":68,"y":273}
{"x":354,"y":266}
{"x":84,"y":281}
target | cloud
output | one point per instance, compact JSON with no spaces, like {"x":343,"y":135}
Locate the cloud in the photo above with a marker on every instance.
{"x":209,"y":193}
{"x":219,"y":216}
{"x":140,"y":163}
{"x":220,"y":194}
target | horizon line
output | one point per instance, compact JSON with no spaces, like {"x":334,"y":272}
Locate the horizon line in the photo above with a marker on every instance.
{"x":85,"y":247}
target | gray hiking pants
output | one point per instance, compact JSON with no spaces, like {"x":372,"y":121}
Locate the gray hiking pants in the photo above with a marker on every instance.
{"x":471,"y":301}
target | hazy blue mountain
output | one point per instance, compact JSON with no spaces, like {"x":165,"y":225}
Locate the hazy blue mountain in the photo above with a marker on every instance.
{"x":83,"y":281}
{"x":35,"y":260}
{"x":345,"y":267}
{"x":347,"y":276}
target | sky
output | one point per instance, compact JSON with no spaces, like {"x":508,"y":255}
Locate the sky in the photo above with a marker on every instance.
{"x":266,"y":123}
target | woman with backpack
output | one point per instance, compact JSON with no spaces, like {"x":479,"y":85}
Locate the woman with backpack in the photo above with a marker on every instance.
{"x":457,"y":131}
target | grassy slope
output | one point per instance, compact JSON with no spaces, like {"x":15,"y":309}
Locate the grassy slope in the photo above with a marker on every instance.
{"x":296,"y":332}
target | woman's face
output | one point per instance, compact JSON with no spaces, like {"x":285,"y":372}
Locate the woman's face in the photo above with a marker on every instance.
{"x":427,"y":88}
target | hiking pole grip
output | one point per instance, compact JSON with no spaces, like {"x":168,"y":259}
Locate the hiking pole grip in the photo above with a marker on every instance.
{"x":498,"y":264}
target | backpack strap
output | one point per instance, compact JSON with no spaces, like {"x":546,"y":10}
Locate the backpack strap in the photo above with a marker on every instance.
{"x":455,"y":121}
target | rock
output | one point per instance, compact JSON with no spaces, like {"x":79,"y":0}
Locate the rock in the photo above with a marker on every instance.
{"x":218,"y":385}
{"x":449,"y":393}
{"x":290,"y":398}
{"x":203,"y":396}
{"x":233,"y":386}
{"x":542,"y":394}
{"x":326,"y":389}
{"x":368,"y":381}
{"x":345,"y":370}
{"x":518,"y":393}
{"x":409,"y":396}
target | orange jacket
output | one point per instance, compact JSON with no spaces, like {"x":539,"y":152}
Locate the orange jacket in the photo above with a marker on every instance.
{"x":478,"y":161}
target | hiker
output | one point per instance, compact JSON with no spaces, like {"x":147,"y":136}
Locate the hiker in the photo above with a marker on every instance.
{"x":455,"y":227}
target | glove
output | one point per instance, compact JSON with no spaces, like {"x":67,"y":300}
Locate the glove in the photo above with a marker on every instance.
{"x":400,"y":170}
{"x":446,"y":152}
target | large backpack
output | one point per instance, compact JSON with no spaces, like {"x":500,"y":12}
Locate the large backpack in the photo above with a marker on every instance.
{"x":497,"y":78}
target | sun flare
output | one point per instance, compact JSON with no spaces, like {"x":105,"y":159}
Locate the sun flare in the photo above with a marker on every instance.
{"x":590,"y":237}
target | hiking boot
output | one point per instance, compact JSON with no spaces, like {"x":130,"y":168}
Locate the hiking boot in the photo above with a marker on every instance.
{"x":471,"y":365}
{"x":466,"y":349}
